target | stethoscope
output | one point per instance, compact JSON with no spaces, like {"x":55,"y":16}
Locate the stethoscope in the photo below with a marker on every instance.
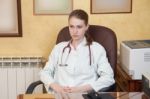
{"x":69,"y":47}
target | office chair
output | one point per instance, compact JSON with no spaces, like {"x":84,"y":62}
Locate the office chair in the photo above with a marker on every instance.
{"x":103,"y":35}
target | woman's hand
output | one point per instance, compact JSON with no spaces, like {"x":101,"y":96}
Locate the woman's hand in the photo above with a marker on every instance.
{"x":57,"y":88}
{"x":78,"y":89}
{"x":61,"y":89}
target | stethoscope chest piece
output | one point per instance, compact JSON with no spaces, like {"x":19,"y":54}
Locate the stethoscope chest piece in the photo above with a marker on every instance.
{"x":63,"y":65}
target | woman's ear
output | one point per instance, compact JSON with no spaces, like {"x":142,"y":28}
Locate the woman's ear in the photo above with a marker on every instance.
{"x":87,"y":27}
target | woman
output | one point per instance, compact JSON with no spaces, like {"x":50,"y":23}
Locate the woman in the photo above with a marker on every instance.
{"x":70,"y":69}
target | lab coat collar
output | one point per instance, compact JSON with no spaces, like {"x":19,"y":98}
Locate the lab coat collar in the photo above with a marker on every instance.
{"x":82,"y":43}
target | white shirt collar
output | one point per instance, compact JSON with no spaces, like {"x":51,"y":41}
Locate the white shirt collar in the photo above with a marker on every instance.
{"x":82,"y":43}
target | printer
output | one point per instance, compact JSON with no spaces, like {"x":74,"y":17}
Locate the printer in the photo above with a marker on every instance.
{"x":146,"y":83}
{"x":135,"y":57}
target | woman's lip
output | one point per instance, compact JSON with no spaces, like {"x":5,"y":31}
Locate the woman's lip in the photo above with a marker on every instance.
{"x":74,"y":35}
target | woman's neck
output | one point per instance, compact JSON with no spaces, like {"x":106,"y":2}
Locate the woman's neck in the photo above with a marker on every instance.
{"x":75,"y":43}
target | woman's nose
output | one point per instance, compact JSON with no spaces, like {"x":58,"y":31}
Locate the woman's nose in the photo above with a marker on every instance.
{"x":75,"y":30}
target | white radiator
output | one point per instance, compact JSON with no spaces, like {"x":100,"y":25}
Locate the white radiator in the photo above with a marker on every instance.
{"x":16,"y":73}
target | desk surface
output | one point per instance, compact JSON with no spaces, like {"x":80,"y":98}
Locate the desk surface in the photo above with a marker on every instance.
{"x":115,"y":95}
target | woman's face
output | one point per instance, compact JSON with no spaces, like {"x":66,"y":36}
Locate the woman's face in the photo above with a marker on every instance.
{"x":77,"y":28}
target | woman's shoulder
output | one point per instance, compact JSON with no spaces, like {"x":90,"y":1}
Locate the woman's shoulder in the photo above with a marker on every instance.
{"x":61,"y":44}
{"x":97,"y":45}
{"x":98,"y":48}
{"x":58,"y":47}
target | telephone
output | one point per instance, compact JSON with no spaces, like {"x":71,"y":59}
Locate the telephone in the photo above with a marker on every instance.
{"x":96,"y":95}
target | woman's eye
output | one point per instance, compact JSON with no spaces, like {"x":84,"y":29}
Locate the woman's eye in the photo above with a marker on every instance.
{"x":71,"y":26}
{"x":79,"y":27}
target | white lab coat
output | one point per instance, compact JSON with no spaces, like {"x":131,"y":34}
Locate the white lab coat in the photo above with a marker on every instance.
{"x":78,"y":72}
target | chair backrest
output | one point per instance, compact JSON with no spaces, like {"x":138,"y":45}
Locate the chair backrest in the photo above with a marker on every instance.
{"x":103,"y":35}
